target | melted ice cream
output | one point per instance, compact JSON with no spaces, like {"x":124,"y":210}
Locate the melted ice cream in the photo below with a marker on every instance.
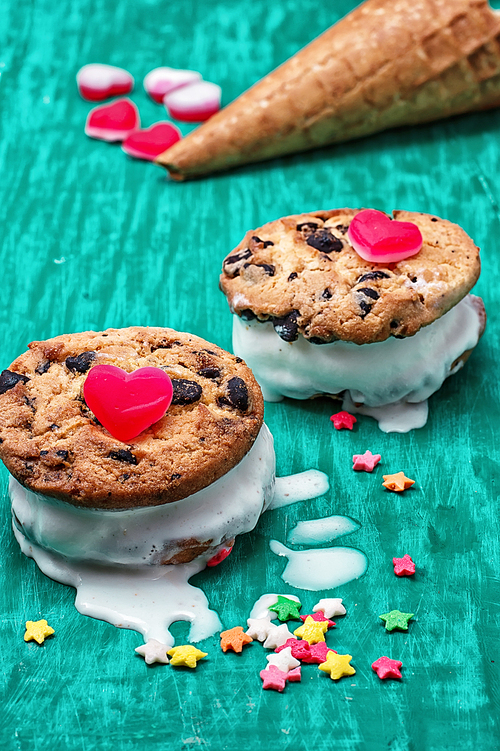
{"x":393,"y":372}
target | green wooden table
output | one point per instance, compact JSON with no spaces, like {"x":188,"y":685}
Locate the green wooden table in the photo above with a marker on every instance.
{"x":92,"y":239}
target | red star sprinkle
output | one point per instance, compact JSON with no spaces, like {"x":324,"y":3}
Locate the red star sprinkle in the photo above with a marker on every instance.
{"x":365,"y":462}
{"x":319,"y":653}
{"x":294,"y":675}
{"x":387,"y":668}
{"x":319,"y":616}
{"x":404,"y":566}
{"x":273,"y":677}
{"x":343,"y":420}
{"x":301,"y":649}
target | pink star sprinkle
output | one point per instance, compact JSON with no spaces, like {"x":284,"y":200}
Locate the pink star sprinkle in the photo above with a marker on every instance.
{"x":273,"y":677}
{"x":294,"y":675}
{"x":404,"y":566}
{"x":301,"y":649}
{"x":318,"y":653}
{"x":319,"y":616}
{"x":343,"y":420}
{"x":387,"y":668}
{"x":365,"y":462}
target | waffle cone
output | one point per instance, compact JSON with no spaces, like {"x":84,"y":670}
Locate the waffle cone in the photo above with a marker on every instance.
{"x":386,"y":64}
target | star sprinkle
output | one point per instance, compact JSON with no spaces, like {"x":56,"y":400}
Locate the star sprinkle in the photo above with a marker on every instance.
{"x":312,"y":631}
{"x":320,"y":617}
{"x":404,"y":566}
{"x":318,"y":653}
{"x":234,"y":639}
{"x":387,"y":668}
{"x":186,"y":655}
{"x":259,"y":628}
{"x":283,"y":660}
{"x":294,"y":675}
{"x":397,"y":482}
{"x":273,"y":677}
{"x":277,"y":636}
{"x":153,"y":651}
{"x":38,"y":631}
{"x":343,"y":420}
{"x":337,"y":665}
{"x":365,"y":462}
{"x":396,"y":620}
{"x":286,"y":609}
{"x":299,"y":649}
{"x":330,"y":606}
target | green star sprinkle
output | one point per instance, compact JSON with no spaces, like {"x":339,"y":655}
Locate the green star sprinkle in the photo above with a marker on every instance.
{"x":286,"y":609}
{"x":396,"y":620}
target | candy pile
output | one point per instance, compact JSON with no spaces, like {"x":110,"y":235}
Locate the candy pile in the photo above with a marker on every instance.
{"x":184,"y":94}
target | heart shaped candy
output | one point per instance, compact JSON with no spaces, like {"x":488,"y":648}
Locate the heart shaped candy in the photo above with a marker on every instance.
{"x":193,"y":103}
{"x":97,"y":82}
{"x":149,"y":143}
{"x":161,"y":81}
{"x":113,"y":122}
{"x":127,"y":403}
{"x":379,"y":239}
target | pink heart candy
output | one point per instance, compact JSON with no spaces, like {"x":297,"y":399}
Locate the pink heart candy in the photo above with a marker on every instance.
{"x":149,"y":143}
{"x":161,"y":81}
{"x":193,"y":103}
{"x":127,"y":403}
{"x":379,"y":239}
{"x":113,"y":122}
{"x":97,"y":82}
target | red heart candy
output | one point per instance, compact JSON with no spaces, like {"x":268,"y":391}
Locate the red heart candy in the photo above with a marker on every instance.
{"x":113,"y":122}
{"x":127,"y":403}
{"x":151,"y":142}
{"x":379,"y":239}
{"x":97,"y":82}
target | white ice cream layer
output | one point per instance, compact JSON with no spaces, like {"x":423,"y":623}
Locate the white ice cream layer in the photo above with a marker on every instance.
{"x":388,"y":372}
{"x":228,"y":507}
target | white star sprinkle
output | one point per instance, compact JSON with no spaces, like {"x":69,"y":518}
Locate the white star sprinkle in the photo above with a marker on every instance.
{"x":153,"y":651}
{"x":278,"y":635}
{"x":283,"y":660}
{"x":330,"y":607}
{"x":259,"y":628}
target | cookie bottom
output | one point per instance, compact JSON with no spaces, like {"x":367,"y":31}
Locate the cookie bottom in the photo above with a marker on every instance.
{"x":395,"y":371}
{"x":197,"y":527}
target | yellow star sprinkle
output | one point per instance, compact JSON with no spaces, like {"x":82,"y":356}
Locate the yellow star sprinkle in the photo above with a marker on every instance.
{"x":186,"y":655}
{"x":37,"y":631}
{"x":312,"y":631}
{"x":337,"y":665}
{"x":397,"y":482}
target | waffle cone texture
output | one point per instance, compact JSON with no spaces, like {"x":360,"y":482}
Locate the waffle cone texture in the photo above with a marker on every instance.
{"x":386,"y":64}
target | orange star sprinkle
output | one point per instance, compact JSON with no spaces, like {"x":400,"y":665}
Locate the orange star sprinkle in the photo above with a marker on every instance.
{"x":397,"y":482}
{"x":235,"y":639}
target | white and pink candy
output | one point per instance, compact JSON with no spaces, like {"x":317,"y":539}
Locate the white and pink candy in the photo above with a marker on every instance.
{"x":97,"y":82}
{"x":194,"y":102}
{"x":162,"y":81}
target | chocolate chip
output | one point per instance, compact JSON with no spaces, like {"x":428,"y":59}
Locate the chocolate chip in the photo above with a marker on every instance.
{"x":373,"y":275}
{"x":323,"y":240}
{"x":8,"y":380}
{"x":54,"y":426}
{"x":307,"y":227}
{"x":265,"y":243}
{"x":63,"y":454}
{"x":326,"y":295}
{"x":434,"y":219}
{"x":292,"y":276}
{"x":185,"y":392}
{"x":287,"y":327}
{"x":342,"y":228}
{"x":316,"y":340}
{"x":123,"y":455}
{"x":209,"y":372}
{"x":233,"y":264}
{"x":365,"y":307}
{"x":237,"y":394}
{"x":238,"y":359}
{"x":394,"y":324}
{"x":43,"y":452}
{"x":175,"y":476}
{"x":369,"y":292}
{"x":414,"y":279}
{"x":123,"y":478}
{"x":247,"y":314}
{"x":80,"y":363}
{"x":43,"y":367}
{"x":269,"y":269}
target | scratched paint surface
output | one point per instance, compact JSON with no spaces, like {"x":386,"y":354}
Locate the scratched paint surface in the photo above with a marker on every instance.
{"x":92,"y":239}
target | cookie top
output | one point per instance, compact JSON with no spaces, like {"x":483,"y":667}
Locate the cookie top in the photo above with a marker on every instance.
{"x":302,"y":273}
{"x":53,"y":444}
